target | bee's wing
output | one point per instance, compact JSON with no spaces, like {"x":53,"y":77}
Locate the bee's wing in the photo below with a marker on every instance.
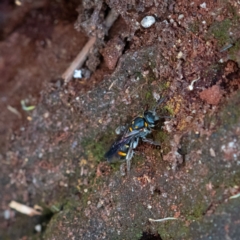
{"x":132,"y":134}
{"x":118,"y":144}
{"x":114,"y":148}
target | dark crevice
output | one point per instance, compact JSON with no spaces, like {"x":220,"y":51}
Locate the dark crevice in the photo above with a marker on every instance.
{"x":150,"y":236}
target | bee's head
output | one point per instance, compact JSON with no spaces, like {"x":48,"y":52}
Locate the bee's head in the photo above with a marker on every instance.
{"x":150,"y":117}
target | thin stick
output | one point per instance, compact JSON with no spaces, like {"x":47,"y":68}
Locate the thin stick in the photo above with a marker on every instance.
{"x":14,"y":110}
{"x":81,"y":57}
{"x":235,"y":196}
{"x":24,"y":209}
{"x":79,"y":60}
{"x":162,"y":219}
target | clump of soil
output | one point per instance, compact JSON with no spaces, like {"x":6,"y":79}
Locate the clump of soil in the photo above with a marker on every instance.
{"x":211,"y":95}
{"x":112,"y":52}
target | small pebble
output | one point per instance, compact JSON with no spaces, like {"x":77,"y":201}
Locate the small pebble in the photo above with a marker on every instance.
{"x":180,"y":54}
{"x":38,"y":228}
{"x":100,"y":204}
{"x":203,"y":5}
{"x":46,"y":115}
{"x":77,"y":74}
{"x":148,"y":21}
{"x":212,"y":152}
{"x":7,"y":214}
{"x":181,"y":16}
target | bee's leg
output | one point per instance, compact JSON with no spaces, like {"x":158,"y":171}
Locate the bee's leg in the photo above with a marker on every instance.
{"x":120,"y":129}
{"x":130,"y":154}
{"x":150,"y":141}
{"x":135,"y":143}
{"x":129,"y":158}
{"x":128,"y":165}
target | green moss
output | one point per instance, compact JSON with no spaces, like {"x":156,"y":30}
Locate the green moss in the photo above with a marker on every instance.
{"x":56,"y":207}
{"x":194,"y":27}
{"x":116,"y":166}
{"x":95,"y":146}
{"x":234,"y":51}
{"x":164,"y":139}
{"x":197,"y":211}
{"x":220,"y":31}
{"x":169,"y":109}
{"x":173,"y":230}
{"x":162,"y":231}
{"x":138,"y":235}
{"x":148,"y":95}
{"x":93,"y":149}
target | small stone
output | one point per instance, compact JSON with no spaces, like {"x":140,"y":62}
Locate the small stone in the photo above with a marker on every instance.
{"x":100,"y":204}
{"x":212,"y":152}
{"x":38,"y":228}
{"x":46,"y":115}
{"x":7,"y":214}
{"x":203,"y":5}
{"x":77,"y":74}
{"x":181,"y":16}
{"x":148,"y":21}
{"x":180,"y":54}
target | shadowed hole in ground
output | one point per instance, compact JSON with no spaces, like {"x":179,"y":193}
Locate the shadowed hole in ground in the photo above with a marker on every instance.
{"x":149,"y":236}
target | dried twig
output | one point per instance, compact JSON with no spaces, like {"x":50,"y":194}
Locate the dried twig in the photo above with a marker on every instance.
{"x":162,"y":219}
{"x":24,"y":209}
{"x":79,"y":60}
{"x":81,"y":57}
{"x":235,"y":196}
{"x":14,"y":110}
{"x":190,"y":87}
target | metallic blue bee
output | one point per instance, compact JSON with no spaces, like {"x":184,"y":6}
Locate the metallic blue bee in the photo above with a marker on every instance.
{"x":140,"y":127}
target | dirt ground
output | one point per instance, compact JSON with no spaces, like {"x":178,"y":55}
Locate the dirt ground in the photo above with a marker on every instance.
{"x":54,"y":134}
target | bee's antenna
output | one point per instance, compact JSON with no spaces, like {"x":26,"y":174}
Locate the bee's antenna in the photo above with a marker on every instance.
{"x":160,"y":101}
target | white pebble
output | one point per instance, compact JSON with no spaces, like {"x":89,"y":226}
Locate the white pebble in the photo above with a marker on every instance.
{"x":181,"y":16}
{"x":212,"y":152}
{"x":77,"y":74}
{"x":148,"y":21}
{"x":38,"y":228}
{"x":203,"y":5}
{"x":7,"y":214}
{"x":180,"y":54}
